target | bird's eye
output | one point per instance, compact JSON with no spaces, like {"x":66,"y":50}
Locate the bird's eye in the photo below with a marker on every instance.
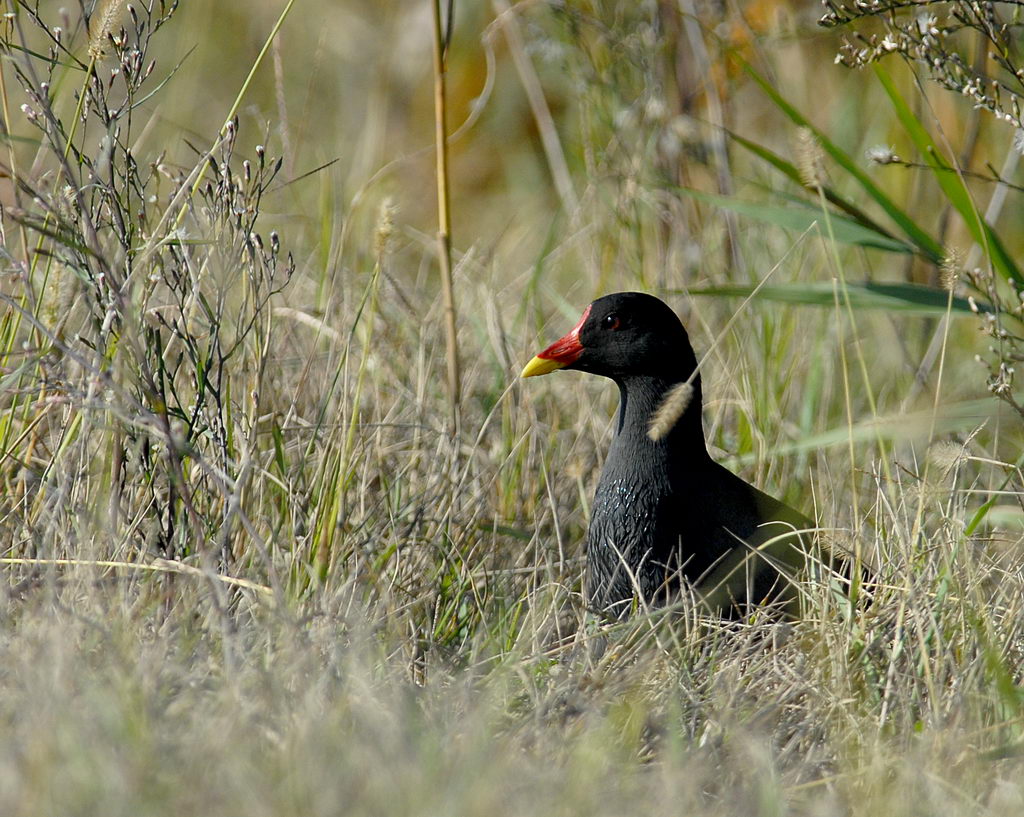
{"x":612,"y":322}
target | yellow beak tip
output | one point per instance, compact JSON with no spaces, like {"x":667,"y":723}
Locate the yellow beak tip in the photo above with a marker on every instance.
{"x":540,"y":365}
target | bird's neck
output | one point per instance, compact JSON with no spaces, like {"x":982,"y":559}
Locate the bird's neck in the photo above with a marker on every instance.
{"x":640,"y":397}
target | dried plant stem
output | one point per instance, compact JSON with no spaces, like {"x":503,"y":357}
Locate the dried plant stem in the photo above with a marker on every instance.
{"x":156,"y":566}
{"x":538,"y":105}
{"x":716,"y":112}
{"x":444,"y":224}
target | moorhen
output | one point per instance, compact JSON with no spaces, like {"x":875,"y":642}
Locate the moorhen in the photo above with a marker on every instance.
{"x":665,"y":515}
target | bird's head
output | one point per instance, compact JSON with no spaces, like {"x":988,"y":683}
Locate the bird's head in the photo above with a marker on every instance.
{"x":623,"y":335}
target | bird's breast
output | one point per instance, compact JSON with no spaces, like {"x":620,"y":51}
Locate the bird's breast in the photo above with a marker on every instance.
{"x":625,"y":514}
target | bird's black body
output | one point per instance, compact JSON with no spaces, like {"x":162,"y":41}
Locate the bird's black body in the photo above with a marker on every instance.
{"x":664,"y":511}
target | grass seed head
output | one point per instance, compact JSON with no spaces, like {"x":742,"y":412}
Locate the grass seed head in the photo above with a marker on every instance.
{"x":947,"y":455}
{"x":672,"y":407}
{"x":102,"y":23}
{"x":949,"y":272}
{"x":810,"y":159}
{"x":385,"y":227}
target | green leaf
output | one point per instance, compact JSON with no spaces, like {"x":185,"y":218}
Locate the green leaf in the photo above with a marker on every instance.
{"x":506,"y":530}
{"x":924,"y":242}
{"x":900,"y":425}
{"x":951,"y":183}
{"x":982,"y":512}
{"x":845,"y":229}
{"x":912,"y":298}
{"x":279,"y":446}
{"x":789,"y":170}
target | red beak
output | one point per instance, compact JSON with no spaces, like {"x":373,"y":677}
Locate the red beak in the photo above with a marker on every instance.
{"x":563,"y":352}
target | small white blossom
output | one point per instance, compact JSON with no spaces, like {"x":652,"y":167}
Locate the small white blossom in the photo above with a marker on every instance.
{"x":928,"y":24}
{"x":881,"y":155}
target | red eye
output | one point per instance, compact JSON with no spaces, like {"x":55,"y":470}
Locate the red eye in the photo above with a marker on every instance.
{"x":612,"y":322}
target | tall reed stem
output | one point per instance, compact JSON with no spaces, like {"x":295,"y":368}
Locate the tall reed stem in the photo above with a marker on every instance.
{"x":444,"y":225}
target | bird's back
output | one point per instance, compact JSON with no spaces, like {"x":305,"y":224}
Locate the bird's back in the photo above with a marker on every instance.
{"x":758,"y":543}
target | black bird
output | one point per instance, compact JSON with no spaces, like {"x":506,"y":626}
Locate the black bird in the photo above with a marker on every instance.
{"x":664,"y":511}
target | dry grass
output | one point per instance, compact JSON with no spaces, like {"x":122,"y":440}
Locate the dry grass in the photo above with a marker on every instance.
{"x":248,"y":570}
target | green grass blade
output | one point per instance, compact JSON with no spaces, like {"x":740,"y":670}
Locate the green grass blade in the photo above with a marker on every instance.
{"x":789,"y":170}
{"x":845,"y":229}
{"x":959,"y":416}
{"x":905,"y":298}
{"x":921,"y":239}
{"x":951,"y":183}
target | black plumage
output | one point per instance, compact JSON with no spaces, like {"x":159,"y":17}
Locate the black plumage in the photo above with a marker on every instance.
{"x":664,"y":511}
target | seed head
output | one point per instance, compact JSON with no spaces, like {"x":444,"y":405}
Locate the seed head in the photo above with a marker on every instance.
{"x":385,"y":227}
{"x":102,"y":23}
{"x":810,"y":159}
{"x":946,"y":455}
{"x":949,"y":271}
{"x":673,"y":406}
